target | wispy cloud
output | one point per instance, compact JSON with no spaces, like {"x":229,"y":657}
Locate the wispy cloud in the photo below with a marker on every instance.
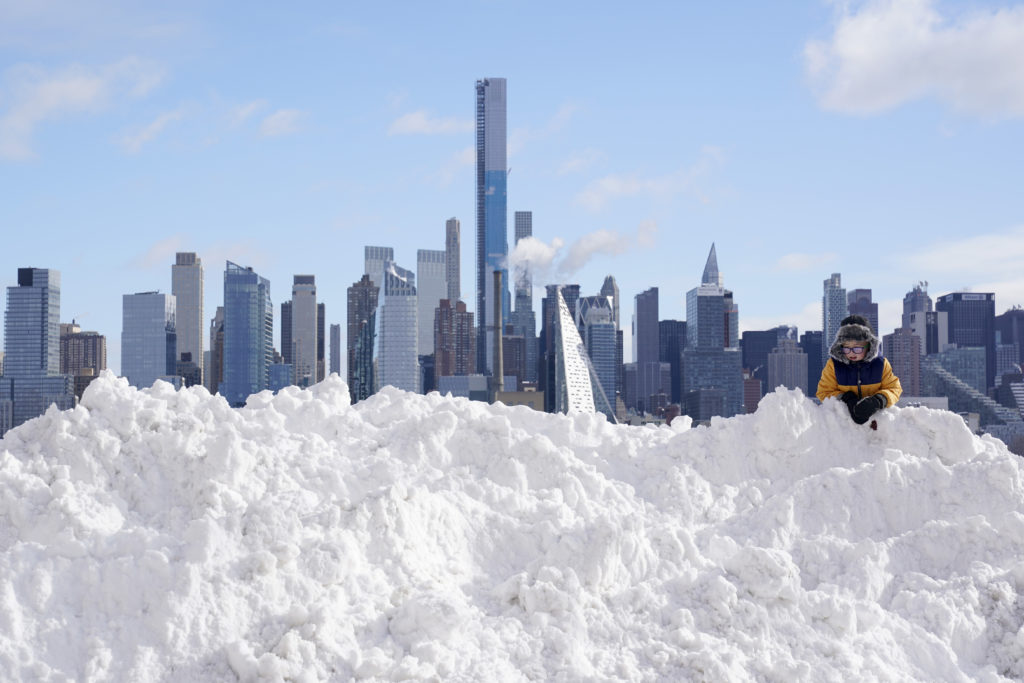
{"x":281,"y":122}
{"x":884,"y":53}
{"x":34,"y":95}
{"x":580,"y":161}
{"x":684,"y":181}
{"x":133,"y":142}
{"x":244,"y":112}
{"x":995,"y":255}
{"x":422,"y":123}
{"x":456,"y":163}
{"x":800,"y":262}
{"x":159,"y":253}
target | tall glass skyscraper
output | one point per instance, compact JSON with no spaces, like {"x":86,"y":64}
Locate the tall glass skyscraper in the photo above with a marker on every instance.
{"x":248,"y":334}
{"x":524,"y":320}
{"x":395,"y":351}
{"x":31,"y":379}
{"x":491,"y":214}
{"x":972,"y":323}
{"x":431,"y":287}
{"x":187,"y":288}
{"x":833,"y":310}
{"x":304,"y":337}
{"x":453,"y":258}
{"x":361,"y":332}
{"x":148,"y":338}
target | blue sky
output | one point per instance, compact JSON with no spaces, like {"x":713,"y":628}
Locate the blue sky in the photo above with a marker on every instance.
{"x":881,"y":140}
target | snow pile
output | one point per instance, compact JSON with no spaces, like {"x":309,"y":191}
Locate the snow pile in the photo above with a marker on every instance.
{"x":161,"y":535}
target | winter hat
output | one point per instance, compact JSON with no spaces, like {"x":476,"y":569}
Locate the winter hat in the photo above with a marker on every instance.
{"x":854,"y":328}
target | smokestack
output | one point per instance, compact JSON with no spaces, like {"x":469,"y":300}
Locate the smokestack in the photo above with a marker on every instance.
{"x":498,"y":372}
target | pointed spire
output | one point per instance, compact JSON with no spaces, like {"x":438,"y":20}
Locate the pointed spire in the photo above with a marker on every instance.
{"x":711,"y":274}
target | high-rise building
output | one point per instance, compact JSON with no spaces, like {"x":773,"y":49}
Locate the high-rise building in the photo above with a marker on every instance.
{"x":524,"y":320}
{"x":712,"y":367}
{"x":305,"y":332}
{"x":397,"y":333}
{"x":610,"y":288}
{"x":83,"y":355}
{"x":148,"y":338}
{"x":491,"y":214}
{"x":360,"y":335}
{"x":248,"y":334}
{"x":833,"y":310}
{"x":811,"y":342}
{"x":374,"y":259}
{"x":187,"y":288}
{"x":454,"y":353}
{"x":578,"y":385}
{"x":915,"y":301}
{"x":672,"y":341}
{"x":431,"y":287}
{"x":858,"y":302}
{"x":1010,"y":326}
{"x":321,"y":341}
{"x":787,"y":366}
{"x":972,"y":324}
{"x":336,"y":349}
{"x":903,"y":349}
{"x":453,"y":258}
{"x":31,"y":379}
{"x":215,"y":370}
{"x":595,"y":320}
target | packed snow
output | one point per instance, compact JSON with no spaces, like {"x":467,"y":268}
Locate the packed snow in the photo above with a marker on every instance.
{"x":160,"y":535}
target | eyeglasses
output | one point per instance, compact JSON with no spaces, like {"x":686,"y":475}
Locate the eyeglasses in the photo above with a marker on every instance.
{"x":853,"y":349}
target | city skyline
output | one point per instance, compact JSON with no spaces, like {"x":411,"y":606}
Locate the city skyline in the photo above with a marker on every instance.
{"x":794,"y":158}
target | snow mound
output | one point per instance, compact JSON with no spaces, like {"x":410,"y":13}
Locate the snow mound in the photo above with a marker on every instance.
{"x":158,"y":535}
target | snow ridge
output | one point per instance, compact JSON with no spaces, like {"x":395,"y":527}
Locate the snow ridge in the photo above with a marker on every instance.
{"x":158,"y":535}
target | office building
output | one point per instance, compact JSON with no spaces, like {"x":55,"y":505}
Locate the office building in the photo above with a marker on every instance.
{"x":374,"y":259}
{"x":360,"y":335}
{"x":491,"y":214}
{"x":811,"y":342}
{"x":148,"y":338}
{"x":454,"y":352}
{"x":646,"y":350}
{"x":712,"y":368}
{"x":595,"y":320}
{"x":858,"y":302}
{"x":83,"y":355}
{"x":833,"y":310}
{"x":578,"y":385}
{"x":248,"y":334}
{"x":31,"y":379}
{"x":672,"y":341}
{"x":431,"y":287}
{"x":215,"y":368}
{"x":1010,"y":326}
{"x":611,"y":288}
{"x":972,"y":324}
{"x":453,"y":258}
{"x":336,"y":349}
{"x":524,"y":319}
{"x":787,"y":366}
{"x":303,"y":347}
{"x":915,"y":301}
{"x":397,"y":363}
{"x":187,"y":288}
{"x":903,"y":350}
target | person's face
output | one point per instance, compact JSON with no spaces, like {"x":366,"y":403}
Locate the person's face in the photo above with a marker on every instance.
{"x":854,"y":351}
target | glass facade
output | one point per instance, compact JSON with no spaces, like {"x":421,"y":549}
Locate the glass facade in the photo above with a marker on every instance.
{"x":148,"y":338}
{"x":360,"y":335}
{"x":304,"y":332}
{"x":491,"y":212}
{"x":833,"y":310}
{"x":248,"y":334}
{"x":397,"y":363}
{"x":187,"y":288}
{"x":972,"y":323}
{"x":32,"y":380}
{"x":431,"y":287}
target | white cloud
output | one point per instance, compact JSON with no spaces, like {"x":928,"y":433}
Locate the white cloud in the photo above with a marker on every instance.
{"x":598,"y":193}
{"x":281,"y":122}
{"x":35,"y":95}
{"x":799,"y":261}
{"x":160,"y":253}
{"x":884,"y":53}
{"x":243,"y":112}
{"x":133,"y":142}
{"x":458,"y":161}
{"x":807,"y":318}
{"x":580,"y":161}
{"x":421,"y":123}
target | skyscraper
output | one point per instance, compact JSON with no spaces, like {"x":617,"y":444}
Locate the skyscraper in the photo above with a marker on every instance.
{"x":397,"y":333}
{"x":453,"y":258}
{"x":148,"y":338}
{"x":491,"y":213}
{"x":833,"y":310}
{"x":453,"y":339}
{"x":596,"y":321}
{"x":215,"y":370}
{"x":187,"y":288}
{"x":524,"y":320}
{"x":304,"y":331}
{"x":916,"y":301}
{"x":374,"y":259}
{"x":248,"y":334}
{"x":671,"y":343}
{"x":903,"y":349}
{"x":858,"y":302}
{"x":972,"y":324}
{"x":360,"y":335}
{"x":712,"y":364}
{"x":1010,"y":326}
{"x":646,"y":350}
{"x":611,"y":288}
{"x":787,"y":366}
{"x":431,"y":287}
{"x":336,"y":349}
{"x":31,"y":379}
{"x":83,"y":355}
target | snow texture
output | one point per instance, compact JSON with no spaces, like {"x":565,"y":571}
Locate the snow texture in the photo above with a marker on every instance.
{"x":158,"y":535}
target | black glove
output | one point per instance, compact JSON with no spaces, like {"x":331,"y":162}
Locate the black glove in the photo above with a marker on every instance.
{"x":866,"y":407}
{"x":849,"y":398}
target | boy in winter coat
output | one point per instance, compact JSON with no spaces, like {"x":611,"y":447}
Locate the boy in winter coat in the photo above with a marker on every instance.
{"x":855,"y":372}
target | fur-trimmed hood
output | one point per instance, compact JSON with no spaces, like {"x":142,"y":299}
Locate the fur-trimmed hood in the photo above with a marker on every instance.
{"x":854,"y":328}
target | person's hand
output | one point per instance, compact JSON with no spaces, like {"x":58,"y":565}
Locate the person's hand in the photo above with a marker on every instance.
{"x":849,"y":398}
{"x":866,"y":407}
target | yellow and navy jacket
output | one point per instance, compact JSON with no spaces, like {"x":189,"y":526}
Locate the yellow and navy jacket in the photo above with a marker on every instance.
{"x":865,"y":378}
